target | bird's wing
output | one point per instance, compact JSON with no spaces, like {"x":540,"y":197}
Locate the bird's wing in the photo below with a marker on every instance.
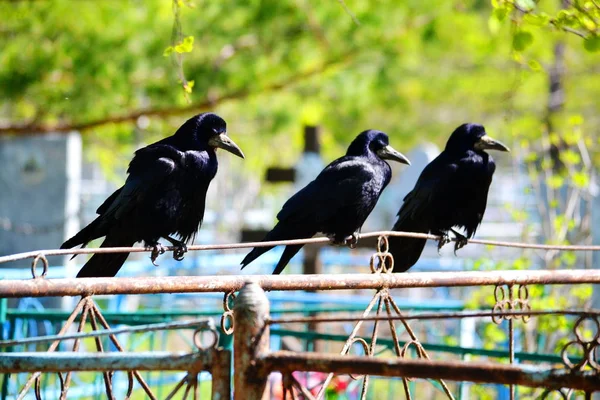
{"x":340,"y":184}
{"x":433,"y":182}
{"x":148,"y":169}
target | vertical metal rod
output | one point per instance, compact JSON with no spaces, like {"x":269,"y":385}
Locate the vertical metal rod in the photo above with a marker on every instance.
{"x":250,"y":338}
{"x":221,"y":375}
{"x":511,"y":339}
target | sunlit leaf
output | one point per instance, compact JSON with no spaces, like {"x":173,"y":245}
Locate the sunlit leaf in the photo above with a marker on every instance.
{"x":570,"y":157}
{"x":592,"y":43}
{"x":186,"y":46}
{"x":521,"y":40}
{"x":555,"y":181}
{"x":581,"y":179}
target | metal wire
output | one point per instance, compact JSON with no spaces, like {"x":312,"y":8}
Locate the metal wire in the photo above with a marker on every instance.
{"x":430,"y":316}
{"x":203,"y":323}
{"x":56,"y":252}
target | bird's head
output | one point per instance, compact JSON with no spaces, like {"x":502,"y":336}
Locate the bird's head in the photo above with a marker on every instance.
{"x":209,"y":130}
{"x":377,"y":143}
{"x":473,"y":137}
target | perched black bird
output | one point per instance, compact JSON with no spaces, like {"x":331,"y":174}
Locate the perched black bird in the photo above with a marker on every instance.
{"x":451,"y":192}
{"x":339,"y":200}
{"x":163,"y":195}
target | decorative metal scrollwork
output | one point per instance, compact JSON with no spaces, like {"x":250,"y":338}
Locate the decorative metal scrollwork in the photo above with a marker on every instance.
{"x":227,"y":324}
{"x":34,"y":264}
{"x":382,"y":260}
{"x":587,"y":346}
{"x":506,"y":303}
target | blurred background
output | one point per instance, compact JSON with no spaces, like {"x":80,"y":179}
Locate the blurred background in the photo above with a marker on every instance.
{"x":84,"y":84}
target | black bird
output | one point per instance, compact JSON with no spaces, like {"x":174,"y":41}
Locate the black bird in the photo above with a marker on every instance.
{"x":163,"y":195}
{"x":339,"y":200}
{"x":451,"y":192}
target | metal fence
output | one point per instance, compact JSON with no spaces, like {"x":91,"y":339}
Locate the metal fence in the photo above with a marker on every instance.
{"x":384,"y":336}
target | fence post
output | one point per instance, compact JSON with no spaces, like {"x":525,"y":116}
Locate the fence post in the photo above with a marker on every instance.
{"x":250,"y":337}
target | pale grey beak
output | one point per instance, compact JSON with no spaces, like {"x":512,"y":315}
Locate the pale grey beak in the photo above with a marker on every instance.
{"x":224,"y":142}
{"x":389,"y":153}
{"x":487,"y":143}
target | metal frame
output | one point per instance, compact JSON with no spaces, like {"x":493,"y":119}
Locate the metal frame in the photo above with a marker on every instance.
{"x":249,"y":322}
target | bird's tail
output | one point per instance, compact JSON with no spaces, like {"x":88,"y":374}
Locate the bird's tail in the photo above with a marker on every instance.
{"x":279,"y":232}
{"x":106,"y":265}
{"x":93,"y":231}
{"x":275,"y":234}
{"x":406,"y":251}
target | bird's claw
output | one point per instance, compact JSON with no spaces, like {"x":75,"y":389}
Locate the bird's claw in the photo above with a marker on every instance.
{"x":157,"y":250}
{"x":335,"y":242}
{"x":179,"y":252}
{"x":461,"y":241}
{"x":181,"y":248}
{"x":352,"y":240}
{"x":444,"y":239}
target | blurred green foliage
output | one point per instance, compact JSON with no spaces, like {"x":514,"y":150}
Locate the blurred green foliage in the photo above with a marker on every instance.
{"x":415,"y":69}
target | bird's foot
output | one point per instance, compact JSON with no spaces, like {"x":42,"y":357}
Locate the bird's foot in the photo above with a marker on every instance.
{"x":157,"y":250}
{"x":352,"y":240}
{"x":461,"y":241}
{"x":335,"y":241}
{"x":444,"y":239}
{"x":179,"y":252}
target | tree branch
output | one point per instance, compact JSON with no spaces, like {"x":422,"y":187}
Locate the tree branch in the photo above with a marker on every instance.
{"x":205,"y":104}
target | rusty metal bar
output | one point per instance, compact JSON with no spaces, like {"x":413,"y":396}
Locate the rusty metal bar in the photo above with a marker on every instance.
{"x":316,"y":240}
{"x":198,"y":284}
{"x":221,"y":375}
{"x":114,"y":361}
{"x":287,"y":361}
{"x":250,"y":337}
{"x":186,"y":324}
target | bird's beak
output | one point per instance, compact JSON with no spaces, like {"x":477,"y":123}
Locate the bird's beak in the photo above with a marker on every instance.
{"x":223,"y":141}
{"x":389,"y":153}
{"x":487,"y":143}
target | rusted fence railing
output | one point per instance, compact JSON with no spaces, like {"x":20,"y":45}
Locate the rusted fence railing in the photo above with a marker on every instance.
{"x":249,"y":322}
{"x":200,"y":284}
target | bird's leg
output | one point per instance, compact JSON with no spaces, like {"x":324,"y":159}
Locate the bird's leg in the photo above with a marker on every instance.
{"x":461,"y":240}
{"x":157,"y":250}
{"x":352,"y":240}
{"x":179,"y":253}
{"x":444,"y":239}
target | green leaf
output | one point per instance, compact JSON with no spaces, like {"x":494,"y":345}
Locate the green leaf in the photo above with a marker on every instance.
{"x":592,"y":43}
{"x":541,"y":19}
{"x":522,"y":40}
{"x":576,"y":119}
{"x":555,"y":181}
{"x":531,"y":157}
{"x":581,"y":179}
{"x":168,"y":51}
{"x":570,"y":157}
{"x":186,"y":46}
{"x":500,"y":13}
{"x":534,"y":65}
{"x":188,"y":86}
